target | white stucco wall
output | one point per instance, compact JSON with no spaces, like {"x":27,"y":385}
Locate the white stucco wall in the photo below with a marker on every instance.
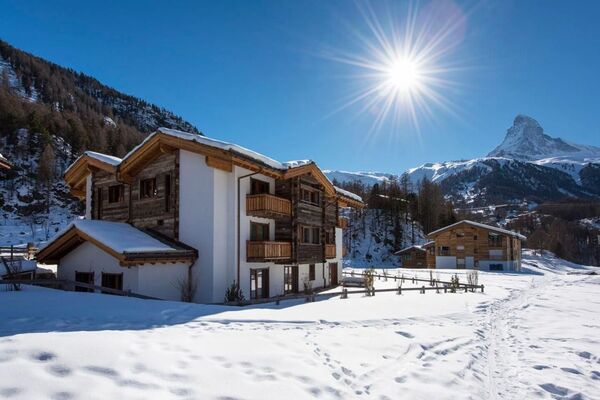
{"x":196,"y":222}
{"x":158,"y":280}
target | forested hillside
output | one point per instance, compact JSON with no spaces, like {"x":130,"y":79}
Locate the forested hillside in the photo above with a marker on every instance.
{"x":49,"y":115}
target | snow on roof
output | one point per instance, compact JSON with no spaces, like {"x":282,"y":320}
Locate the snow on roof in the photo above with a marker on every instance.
{"x":105,"y":158}
{"x":480,"y":225}
{"x":194,"y":137}
{"x":120,"y":237}
{"x":112,"y":160}
{"x":348,"y":194}
{"x":296,"y":163}
{"x":414,"y":246}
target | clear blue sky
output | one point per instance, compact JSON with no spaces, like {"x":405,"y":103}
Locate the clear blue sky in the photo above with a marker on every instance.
{"x":251,"y":72}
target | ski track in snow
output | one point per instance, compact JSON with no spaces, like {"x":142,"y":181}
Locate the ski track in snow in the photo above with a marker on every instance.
{"x":528,"y":336}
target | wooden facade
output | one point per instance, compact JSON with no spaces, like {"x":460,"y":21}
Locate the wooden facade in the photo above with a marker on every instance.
{"x":157,"y":210}
{"x":413,"y":257}
{"x":472,"y":243}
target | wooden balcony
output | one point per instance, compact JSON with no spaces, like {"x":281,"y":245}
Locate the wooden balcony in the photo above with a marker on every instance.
{"x":343,"y":222}
{"x":267,"y":206}
{"x":268,"y":251}
{"x":330,"y":251}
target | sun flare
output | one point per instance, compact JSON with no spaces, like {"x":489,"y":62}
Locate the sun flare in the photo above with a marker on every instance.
{"x":404,"y":69}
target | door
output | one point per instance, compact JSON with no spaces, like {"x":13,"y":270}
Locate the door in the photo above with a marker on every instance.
{"x":290,"y":279}
{"x":259,"y":283}
{"x":333,"y":274}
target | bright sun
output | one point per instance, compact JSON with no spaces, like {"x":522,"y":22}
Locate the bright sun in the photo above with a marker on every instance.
{"x":402,"y":75}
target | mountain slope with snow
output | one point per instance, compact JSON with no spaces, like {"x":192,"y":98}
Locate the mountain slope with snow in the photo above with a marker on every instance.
{"x":528,"y":165}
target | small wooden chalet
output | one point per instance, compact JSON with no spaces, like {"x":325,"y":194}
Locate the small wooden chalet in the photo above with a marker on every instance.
{"x":472,"y":245}
{"x":413,"y":257}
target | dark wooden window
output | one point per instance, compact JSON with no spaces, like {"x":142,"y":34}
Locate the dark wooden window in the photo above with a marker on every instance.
{"x":115,"y":194}
{"x":311,"y":272}
{"x":494,"y":240}
{"x":310,"y":196}
{"x":148,"y":188}
{"x":99,"y":199}
{"x":84,"y":277}
{"x":112,"y":281}
{"x":311,"y":235}
{"x":444,"y":250}
{"x":259,"y":283}
{"x":258,"y":187}
{"x":167,"y":193}
{"x":259,"y":232}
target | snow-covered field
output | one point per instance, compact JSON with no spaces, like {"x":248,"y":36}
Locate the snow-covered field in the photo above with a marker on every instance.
{"x":530,"y":335}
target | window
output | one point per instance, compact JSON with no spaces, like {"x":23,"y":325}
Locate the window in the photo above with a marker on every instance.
{"x":259,"y":283}
{"x":115,"y":194}
{"x":407,"y":257}
{"x":311,"y":272}
{"x":460,"y":234}
{"x":311,"y":235}
{"x":258,"y":187}
{"x":99,"y":199}
{"x":444,"y":250}
{"x":167,"y":192}
{"x":494,"y":240}
{"x":259,"y":232}
{"x":474,"y":237}
{"x":460,"y":247}
{"x":84,"y":277}
{"x":311,"y":196}
{"x":112,"y":281}
{"x":148,"y":188}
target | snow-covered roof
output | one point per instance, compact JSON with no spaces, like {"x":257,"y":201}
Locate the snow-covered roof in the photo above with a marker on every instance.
{"x":219,"y":144}
{"x":297,"y":163}
{"x":105,"y":158}
{"x":348,"y":194}
{"x":414,"y":246}
{"x":119,"y":236}
{"x":480,"y":225}
{"x":4,"y":161}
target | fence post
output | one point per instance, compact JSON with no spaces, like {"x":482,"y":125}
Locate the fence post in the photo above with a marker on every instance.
{"x":481,"y":288}
{"x":399,"y":289}
{"x":344,"y":293}
{"x":277,"y":302}
{"x":422,"y":289}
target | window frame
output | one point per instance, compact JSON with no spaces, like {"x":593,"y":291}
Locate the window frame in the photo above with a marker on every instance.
{"x":263,"y":226}
{"x":118,"y":280}
{"x":311,"y":272}
{"x":120,"y":194}
{"x":310,"y":196}
{"x":310,"y":235}
{"x":89,"y":281}
{"x":143,"y":195}
{"x":258,"y":186}
{"x":168,"y":186}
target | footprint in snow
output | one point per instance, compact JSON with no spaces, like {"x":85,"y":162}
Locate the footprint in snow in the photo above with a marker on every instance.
{"x":405,"y":334}
{"x":43,"y":356}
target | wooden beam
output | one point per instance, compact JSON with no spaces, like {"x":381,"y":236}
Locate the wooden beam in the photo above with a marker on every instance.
{"x":219,"y":163}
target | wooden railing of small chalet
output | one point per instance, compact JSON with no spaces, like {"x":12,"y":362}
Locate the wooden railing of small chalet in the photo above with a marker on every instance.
{"x":263,"y":205}
{"x":330,"y":251}
{"x":268,"y":250}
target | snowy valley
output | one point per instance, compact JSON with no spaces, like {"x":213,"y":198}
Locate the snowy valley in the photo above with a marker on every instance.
{"x":529,"y":335}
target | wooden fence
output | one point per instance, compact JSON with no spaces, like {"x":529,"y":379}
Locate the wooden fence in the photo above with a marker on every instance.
{"x":403,"y":278}
{"x":11,"y":251}
{"x":65,"y":284}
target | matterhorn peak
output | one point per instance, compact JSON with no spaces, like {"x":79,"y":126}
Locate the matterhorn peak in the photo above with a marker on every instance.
{"x":526,"y":140}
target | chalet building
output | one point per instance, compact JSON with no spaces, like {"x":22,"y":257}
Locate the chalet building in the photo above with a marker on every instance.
{"x":183,"y":212}
{"x":413,"y":257}
{"x":468,"y":244}
{"x":4,"y":164}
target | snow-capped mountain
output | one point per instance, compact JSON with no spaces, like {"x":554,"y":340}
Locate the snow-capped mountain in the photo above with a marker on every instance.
{"x":528,"y":165}
{"x":366,"y":178}
{"x":526,"y":140}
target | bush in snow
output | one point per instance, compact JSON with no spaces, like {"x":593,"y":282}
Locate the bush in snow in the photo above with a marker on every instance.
{"x":473,"y":278}
{"x":234,"y":294}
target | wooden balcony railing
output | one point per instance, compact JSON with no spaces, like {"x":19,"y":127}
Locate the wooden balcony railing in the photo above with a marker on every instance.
{"x":343,"y":222}
{"x":330,"y":251}
{"x":268,"y":250}
{"x":267,"y":206}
